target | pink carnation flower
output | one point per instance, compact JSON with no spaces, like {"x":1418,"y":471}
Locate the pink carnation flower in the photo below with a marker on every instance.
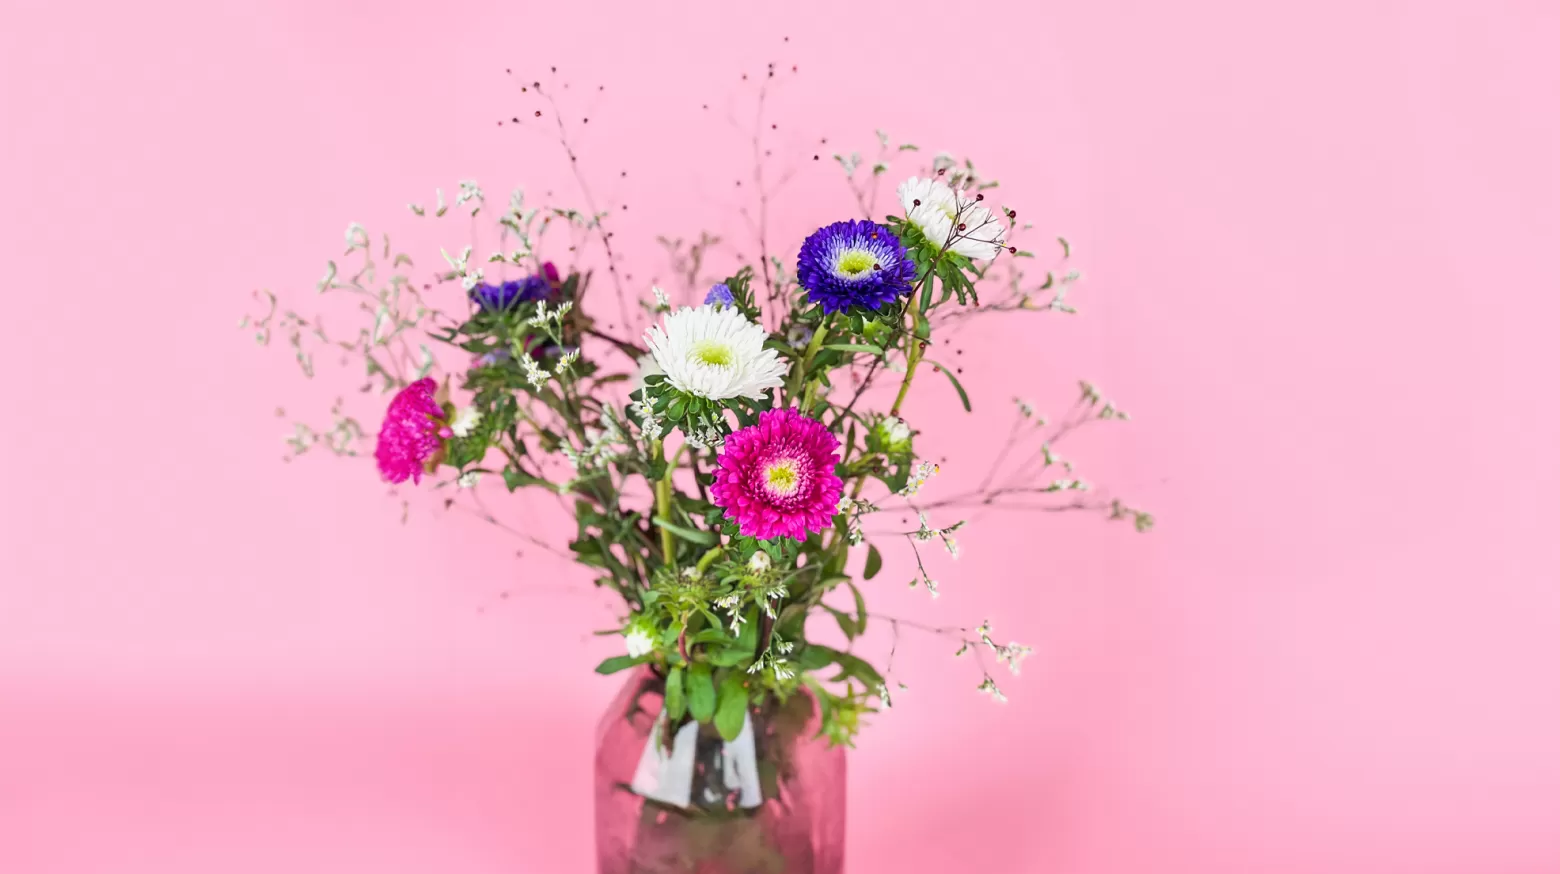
{"x":414,"y":431}
{"x":777,"y":479}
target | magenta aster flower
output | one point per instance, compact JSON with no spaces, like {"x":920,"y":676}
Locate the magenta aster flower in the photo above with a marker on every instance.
{"x":777,"y":479}
{"x":413,"y":433}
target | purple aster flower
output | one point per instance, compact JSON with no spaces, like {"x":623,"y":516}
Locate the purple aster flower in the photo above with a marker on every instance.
{"x":495,"y":298}
{"x":537,"y":286}
{"x":854,"y":264}
{"x":413,"y":433}
{"x":776,"y":478}
{"x":720,"y":295}
{"x":488,"y":359}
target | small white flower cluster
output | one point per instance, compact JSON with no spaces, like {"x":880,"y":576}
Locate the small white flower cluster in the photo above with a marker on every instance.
{"x":1027,"y":410}
{"x":732,"y":604}
{"x":706,"y":437}
{"x":923,"y":472}
{"x":1107,"y":408}
{"x":779,"y":667}
{"x":760,"y":563}
{"x":927,"y":532}
{"x":543,"y":317}
{"x":469,"y":191}
{"x":1051,"y":458}
{"x":534,"y":374}
{"x":926,"y":580}
{"x":465,"y":420}
{"x":661,"y":302}
{"x":600,"y":446}
{"x":772,"y":594}
{"x":1010,"y":654}
{"x":989,"y":686}
{"x":468,"y":480}
{"x":357,"y":237}
{"x":855,"y":509}
{"x":1068,"y":485}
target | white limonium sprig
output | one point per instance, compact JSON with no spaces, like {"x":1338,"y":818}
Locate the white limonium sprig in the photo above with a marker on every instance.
{"x":470,"y":191}
{"x":918,"y":477}
{"x":927,"y":532}
{"x":952,"y":218}
{"x":989,"y":686}
{"x":465,"y":421}
{"x":715,"y":353}
{"x":534,"y":374}
{"x":1009,"y":654}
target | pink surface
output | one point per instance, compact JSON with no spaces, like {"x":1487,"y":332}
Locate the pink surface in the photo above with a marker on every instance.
{"x":1319,"y":241}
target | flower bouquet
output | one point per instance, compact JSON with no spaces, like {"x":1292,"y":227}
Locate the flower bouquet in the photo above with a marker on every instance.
{"x":720,"y":466}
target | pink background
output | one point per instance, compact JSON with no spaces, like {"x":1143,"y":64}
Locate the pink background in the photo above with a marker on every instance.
{"x":1319,"y":240}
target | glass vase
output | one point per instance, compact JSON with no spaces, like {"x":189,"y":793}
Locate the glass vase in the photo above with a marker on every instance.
{"x":771,"y":801}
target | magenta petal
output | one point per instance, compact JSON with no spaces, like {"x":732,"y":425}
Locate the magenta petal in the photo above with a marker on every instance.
{"x":410,"y":435}
{"x":806,"y":449}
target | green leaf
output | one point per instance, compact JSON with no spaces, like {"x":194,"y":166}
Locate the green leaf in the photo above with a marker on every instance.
{"x":861,"y":610}
{"x":701,"y":692}
{"x":854,"y":347}
{"x":703,"y":538}
{"x":855,"y":666}
{"x":814,"y":657}
{"x":874,"y":563}
{"x":727,"y":657}
{"x":733,"y":707}
{"x":846,"y":622}
{"x":851,"y":666}
{"x":964,"y":396}
{"x":676,"y":699}
{"x":619,"y":663}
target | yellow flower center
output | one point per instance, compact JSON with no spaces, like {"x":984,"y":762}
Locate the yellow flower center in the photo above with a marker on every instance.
{"x":782,"y":477}
{"x":856,"y":262}
{"x":950,"y":210}
{"x":712,"y":352}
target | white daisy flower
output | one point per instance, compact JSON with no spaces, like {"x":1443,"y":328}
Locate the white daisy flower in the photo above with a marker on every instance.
{"x":465,"y":421}
{"x":937,"y":210}
{"x":715,"y":353}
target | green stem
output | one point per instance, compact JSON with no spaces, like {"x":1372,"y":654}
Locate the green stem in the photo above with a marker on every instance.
{"x":912,"y":360}
{"x":663,"y":510}
{"x":709,"y":557}
{"x":812,"y":349}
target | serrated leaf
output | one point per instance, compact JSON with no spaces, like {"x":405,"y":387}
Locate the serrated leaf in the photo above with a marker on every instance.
{"x":730,"y":713}
{"x":701,"y":692}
